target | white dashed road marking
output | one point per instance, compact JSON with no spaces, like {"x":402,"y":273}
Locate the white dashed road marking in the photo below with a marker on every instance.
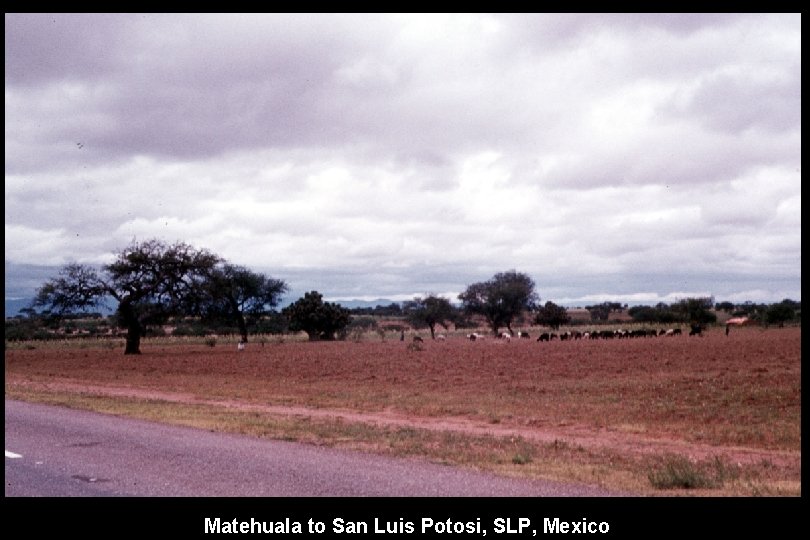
{"x":12,"y":455}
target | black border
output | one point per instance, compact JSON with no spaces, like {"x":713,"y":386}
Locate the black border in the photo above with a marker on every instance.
{"x":678,"y":516}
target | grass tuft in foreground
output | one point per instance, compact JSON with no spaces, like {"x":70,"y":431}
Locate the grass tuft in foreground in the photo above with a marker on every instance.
{"x":679,"y":472}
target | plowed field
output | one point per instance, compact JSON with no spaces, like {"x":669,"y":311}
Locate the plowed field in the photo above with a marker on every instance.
{"x":611,"y":412}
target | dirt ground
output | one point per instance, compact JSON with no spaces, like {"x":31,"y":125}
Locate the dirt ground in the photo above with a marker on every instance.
{"x":736,"y":396}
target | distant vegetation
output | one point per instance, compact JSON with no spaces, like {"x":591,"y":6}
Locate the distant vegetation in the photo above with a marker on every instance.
{"x":501,"y":300}
{"x":552,"y":315}
{"x":29,"y":325}
{"x":429,"y":312}
{"x":184,"y":291}
{"x":320,"y":320}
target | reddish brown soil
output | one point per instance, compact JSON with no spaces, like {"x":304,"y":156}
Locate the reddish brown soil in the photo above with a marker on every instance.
{"x":737,"y":396}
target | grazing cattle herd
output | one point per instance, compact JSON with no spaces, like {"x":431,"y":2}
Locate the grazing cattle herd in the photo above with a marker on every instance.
{"x":695,"y":330}
{"x":614,"y":334}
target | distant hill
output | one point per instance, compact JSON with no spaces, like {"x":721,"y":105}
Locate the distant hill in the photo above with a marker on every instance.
{"x":14,"y":305}
{"x":353,"y":304}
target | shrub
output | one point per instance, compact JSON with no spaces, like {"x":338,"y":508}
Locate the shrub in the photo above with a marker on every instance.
{"x":357,"y":334}
{"x":19,"y":332}
{"x":521,"y":459}
{"x":195,"y":330}
{"x":678,"y":472}
{"x":154,"y":331}
{"x":364,"y":323}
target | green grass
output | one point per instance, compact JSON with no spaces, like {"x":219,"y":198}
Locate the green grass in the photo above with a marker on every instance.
{"x":679,"y":472}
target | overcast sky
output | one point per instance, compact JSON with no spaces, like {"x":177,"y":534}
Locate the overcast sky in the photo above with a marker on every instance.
{"x":632,"y":158}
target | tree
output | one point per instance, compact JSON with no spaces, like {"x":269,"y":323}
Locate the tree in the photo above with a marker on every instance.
{"x":149,"y":280}
{"x":237,"y":294}
{"x":601,"y":312}
{"x":660,"y":313}
{"x":76,"y":289}
{"x":319,"y":319}
{"x":501,"y":299}
{"x":643,"y":314}
{"x":724,"y":306}
{"x":391,"y":310}
{"x":696,"y":310}
{"x":749,"y":309}
{"x":552,"y":315}
{"x":780,"y":313}
{"x":429,"y":311}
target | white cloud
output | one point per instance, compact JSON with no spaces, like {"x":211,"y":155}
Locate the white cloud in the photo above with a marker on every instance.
{"x":640,"y":298}
{"x":411,"y":152}
{"x":25,"y":245}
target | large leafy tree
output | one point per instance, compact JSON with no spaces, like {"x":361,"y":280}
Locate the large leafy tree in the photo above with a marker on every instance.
{"x":695,"y":310}
{"x":150,"y":281}
{"x":501,"y":299}
{"x":552,"y":315}
{"x":237,"y":294}
{"x":429,"y":311}
{"x":601,"y":312}
{"x":724,"y":306}
{"x":76,"y":289}
{"x":320,"y":320}
{"x":781,"y":313}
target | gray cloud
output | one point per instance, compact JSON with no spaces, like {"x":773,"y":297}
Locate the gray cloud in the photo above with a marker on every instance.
{"x":414,"y":152}
{"x":42,"y":48}
{"x":735,"y":103}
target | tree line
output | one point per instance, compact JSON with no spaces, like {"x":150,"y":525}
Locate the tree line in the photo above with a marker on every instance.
{"x":154,"y":282}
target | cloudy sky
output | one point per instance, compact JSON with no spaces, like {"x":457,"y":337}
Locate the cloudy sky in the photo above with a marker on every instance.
{"x":633,"y":158}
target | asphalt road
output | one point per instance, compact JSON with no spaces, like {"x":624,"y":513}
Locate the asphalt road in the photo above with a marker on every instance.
{"x":58,"y":452}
